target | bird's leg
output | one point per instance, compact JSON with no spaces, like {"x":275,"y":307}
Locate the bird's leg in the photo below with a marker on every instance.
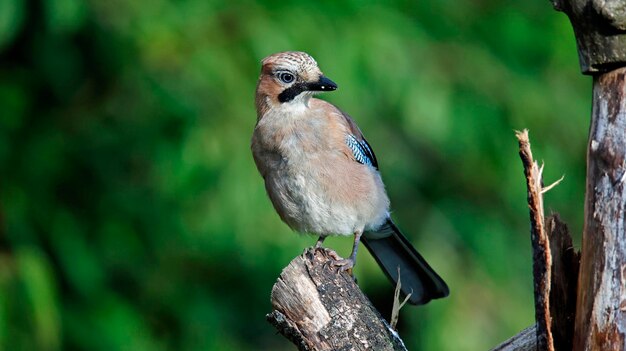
{"x":347,"y":264}
{"x":320,"y":240}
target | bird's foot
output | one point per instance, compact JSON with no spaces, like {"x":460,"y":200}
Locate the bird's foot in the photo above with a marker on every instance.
{"x":319,"y":242}
{"x":344,"y":265}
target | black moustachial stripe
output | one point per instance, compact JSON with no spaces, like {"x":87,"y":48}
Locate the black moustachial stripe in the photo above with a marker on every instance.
{"x":291,"y":92}
{"x":323,"y":84}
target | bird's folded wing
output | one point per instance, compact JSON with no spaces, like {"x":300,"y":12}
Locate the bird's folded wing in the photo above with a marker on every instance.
{"x":361,"y":149}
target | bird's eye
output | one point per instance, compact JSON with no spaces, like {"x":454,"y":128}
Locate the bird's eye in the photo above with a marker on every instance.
{"x":286,"y":77}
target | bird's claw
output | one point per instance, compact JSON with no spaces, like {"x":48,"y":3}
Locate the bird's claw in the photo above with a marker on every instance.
{"x":344,"y":265}
{"x":319,"y":242}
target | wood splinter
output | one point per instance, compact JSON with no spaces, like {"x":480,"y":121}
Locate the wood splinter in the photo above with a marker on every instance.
{"x":555,"y":269}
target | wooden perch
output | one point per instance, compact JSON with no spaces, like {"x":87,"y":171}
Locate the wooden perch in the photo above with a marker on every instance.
{"x":318,"y":308}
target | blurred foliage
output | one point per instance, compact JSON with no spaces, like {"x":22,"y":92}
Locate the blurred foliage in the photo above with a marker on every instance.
{"x":132,"y":216}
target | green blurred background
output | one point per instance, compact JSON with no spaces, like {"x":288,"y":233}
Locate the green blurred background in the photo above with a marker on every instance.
{"x":132,"y":216}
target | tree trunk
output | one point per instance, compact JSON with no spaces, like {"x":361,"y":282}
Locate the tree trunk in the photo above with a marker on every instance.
{"x":601,"y":305}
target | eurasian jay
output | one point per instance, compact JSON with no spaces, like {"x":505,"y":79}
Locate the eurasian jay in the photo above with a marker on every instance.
{"x":322,"y":176}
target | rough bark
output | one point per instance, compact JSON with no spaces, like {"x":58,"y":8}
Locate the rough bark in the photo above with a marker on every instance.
{"x":319,"y":309}
{"x":601,"y":306}
{"x":526,"y":340}
{"x":600,"y":28}
{"x":562,"y":303}
{"x":542,"y":258}
{"x":555,"y":269}
{"x":565,"y":263}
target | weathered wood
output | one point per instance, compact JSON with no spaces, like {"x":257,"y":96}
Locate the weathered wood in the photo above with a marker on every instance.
{"x":318,"y":308}
{"x":526,"y":340}
{"x":600,"y":28}
{"x":542,"y":258}
{"x":601,"y":306}
{"x":564,"y":274}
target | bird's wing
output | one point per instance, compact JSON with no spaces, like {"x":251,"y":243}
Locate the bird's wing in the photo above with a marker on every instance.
{"x":361,"y":149}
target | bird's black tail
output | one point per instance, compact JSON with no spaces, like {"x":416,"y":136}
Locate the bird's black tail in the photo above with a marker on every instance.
{"x":392,"y":250}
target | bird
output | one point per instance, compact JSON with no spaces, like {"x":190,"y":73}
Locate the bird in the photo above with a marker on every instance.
{"x":322,"y":175}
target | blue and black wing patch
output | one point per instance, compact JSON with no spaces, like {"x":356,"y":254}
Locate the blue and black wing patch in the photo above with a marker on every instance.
{"x":362,"y":151}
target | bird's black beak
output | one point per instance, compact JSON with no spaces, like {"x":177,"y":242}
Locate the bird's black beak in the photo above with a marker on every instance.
{"x":323,"y":84}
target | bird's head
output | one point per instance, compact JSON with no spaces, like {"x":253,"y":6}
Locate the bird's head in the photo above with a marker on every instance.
{"x":290,"y":77}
